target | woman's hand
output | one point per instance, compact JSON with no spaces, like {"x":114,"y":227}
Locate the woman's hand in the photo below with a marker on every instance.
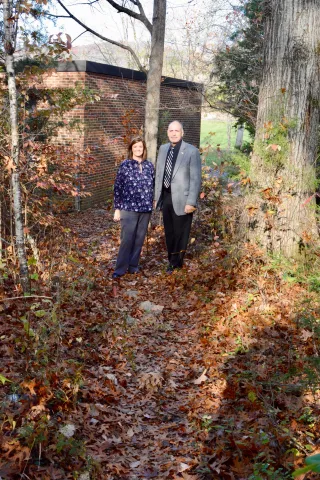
{"x":116,"y":216}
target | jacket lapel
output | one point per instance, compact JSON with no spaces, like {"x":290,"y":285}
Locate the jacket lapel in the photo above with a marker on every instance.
{"x":162,"y":160}
{"x":179,"y":158}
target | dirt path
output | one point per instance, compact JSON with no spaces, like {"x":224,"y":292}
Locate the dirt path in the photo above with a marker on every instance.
{"x":147,"y":430}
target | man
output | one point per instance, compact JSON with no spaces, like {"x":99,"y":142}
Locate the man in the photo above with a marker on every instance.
{"x":178,"y":181}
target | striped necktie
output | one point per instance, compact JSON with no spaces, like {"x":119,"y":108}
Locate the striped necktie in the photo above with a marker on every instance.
{"x":168,"y":170}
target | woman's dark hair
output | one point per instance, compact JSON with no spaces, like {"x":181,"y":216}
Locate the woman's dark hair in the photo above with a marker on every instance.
{"x":133,"y":142}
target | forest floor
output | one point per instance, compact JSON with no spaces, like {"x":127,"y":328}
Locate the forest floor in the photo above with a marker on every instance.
{"x":208,"y":373}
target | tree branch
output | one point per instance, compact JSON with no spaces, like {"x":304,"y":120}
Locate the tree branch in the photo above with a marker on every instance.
{"x":85,"y":31}
{"x":138,"y":16}
{"x":139,"y":5}
{"x":113,"y":42}
{"x":84,"y":3}
{"x":47,"y":14}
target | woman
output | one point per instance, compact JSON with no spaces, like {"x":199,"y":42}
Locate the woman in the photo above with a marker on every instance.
{"x":133,"y":196}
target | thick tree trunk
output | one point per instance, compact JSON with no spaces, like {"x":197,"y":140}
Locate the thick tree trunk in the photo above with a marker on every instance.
{"x":154,"y":77}
{"x":281,"y":215}
{"x":9,"y":39}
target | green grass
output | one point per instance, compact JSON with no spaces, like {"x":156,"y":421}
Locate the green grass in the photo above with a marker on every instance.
{"x":215,"y":134}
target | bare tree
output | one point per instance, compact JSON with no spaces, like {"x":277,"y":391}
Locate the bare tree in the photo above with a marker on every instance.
{"x":157,"y":31}
{"x":10,"y":23}
{"x":154,"y":77}
{"x":282,"y":214}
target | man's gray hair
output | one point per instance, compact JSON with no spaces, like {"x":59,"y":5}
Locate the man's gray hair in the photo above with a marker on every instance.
{"x":176,"y":121}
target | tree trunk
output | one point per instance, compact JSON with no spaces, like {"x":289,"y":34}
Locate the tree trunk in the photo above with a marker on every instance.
{"x":239,"y":137}
{"x":9,"y":39}
{"x":154,"y":77}
{"x":281,"y":214}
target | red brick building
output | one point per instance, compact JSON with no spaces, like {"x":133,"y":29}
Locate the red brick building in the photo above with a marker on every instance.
{"x":118,"y":115}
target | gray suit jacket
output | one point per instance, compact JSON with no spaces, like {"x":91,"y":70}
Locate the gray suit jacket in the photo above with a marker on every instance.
{"x":186,"y":176}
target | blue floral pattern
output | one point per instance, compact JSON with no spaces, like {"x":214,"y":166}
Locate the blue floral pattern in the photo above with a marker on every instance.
{"x":133,"y":190}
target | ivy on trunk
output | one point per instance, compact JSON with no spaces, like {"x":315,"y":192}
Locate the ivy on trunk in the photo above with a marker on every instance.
{"x":281,"y":214}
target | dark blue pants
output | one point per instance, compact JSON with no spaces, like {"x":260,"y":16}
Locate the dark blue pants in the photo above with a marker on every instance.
{"x":177,"y":230}
{"x":134,"y":227}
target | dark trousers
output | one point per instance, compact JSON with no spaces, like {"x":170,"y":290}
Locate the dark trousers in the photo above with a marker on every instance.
{"x":134,"y":227}
{"x":177,"y":230}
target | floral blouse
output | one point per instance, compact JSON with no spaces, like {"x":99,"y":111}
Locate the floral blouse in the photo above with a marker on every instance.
{"x":133,"y":190}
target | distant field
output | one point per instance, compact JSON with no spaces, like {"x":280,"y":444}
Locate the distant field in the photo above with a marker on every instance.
{"x":215,"y":133}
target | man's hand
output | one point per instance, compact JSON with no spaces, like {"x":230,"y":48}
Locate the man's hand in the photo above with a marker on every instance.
{"x":116,"y":216}
{"x":189,"y":209}
{"x":154,"y":204}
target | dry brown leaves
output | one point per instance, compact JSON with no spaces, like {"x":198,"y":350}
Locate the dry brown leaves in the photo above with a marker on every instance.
{"x":201,"y":388}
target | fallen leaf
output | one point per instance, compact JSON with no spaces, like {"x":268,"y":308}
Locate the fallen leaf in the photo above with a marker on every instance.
{"x":130,"y":433}
{"x":183,"y":467}
{"x":67,"y":430}
{"x":306,"y":334}
{"x":3,"y":379}
{"x":15,"y":451}
{"x":30,"y":386}
{"x":150,"y":380}
{"x":10,"y":165}
{"x":202,"y":378}
{"x":274,"y":147}
{"x":112,"y":377}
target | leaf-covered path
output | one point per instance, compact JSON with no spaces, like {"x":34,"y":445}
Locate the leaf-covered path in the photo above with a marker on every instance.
{"x":195,"y":375}
{"x":146,"y":429}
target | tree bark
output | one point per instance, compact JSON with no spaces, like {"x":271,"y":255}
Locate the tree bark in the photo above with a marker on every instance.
{"x":239,"y":137}
{"x":9,"y":40}
{"x":154,"y":78}
{"x":281,"y":214}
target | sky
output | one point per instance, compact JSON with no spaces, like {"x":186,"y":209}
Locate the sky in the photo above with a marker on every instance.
{"x":103,"y":18}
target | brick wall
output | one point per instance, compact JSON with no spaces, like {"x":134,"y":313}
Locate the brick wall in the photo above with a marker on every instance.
{"x":75,"y":138}
{"x":120,"y":113}
{"x":121,"y":100}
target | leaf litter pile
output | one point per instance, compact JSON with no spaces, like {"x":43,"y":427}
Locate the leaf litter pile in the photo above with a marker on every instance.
{"x":208,"y":373}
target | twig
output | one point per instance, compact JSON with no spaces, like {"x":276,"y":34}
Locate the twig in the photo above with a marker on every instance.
{"x":25,"y":297}
{"x":5,"y":241}
{"x":55,"y":16}
{"x":85,"y":31}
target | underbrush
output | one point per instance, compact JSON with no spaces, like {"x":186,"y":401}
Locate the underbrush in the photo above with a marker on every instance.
{"x":43,"y":381}
{"x":44,"y":355}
